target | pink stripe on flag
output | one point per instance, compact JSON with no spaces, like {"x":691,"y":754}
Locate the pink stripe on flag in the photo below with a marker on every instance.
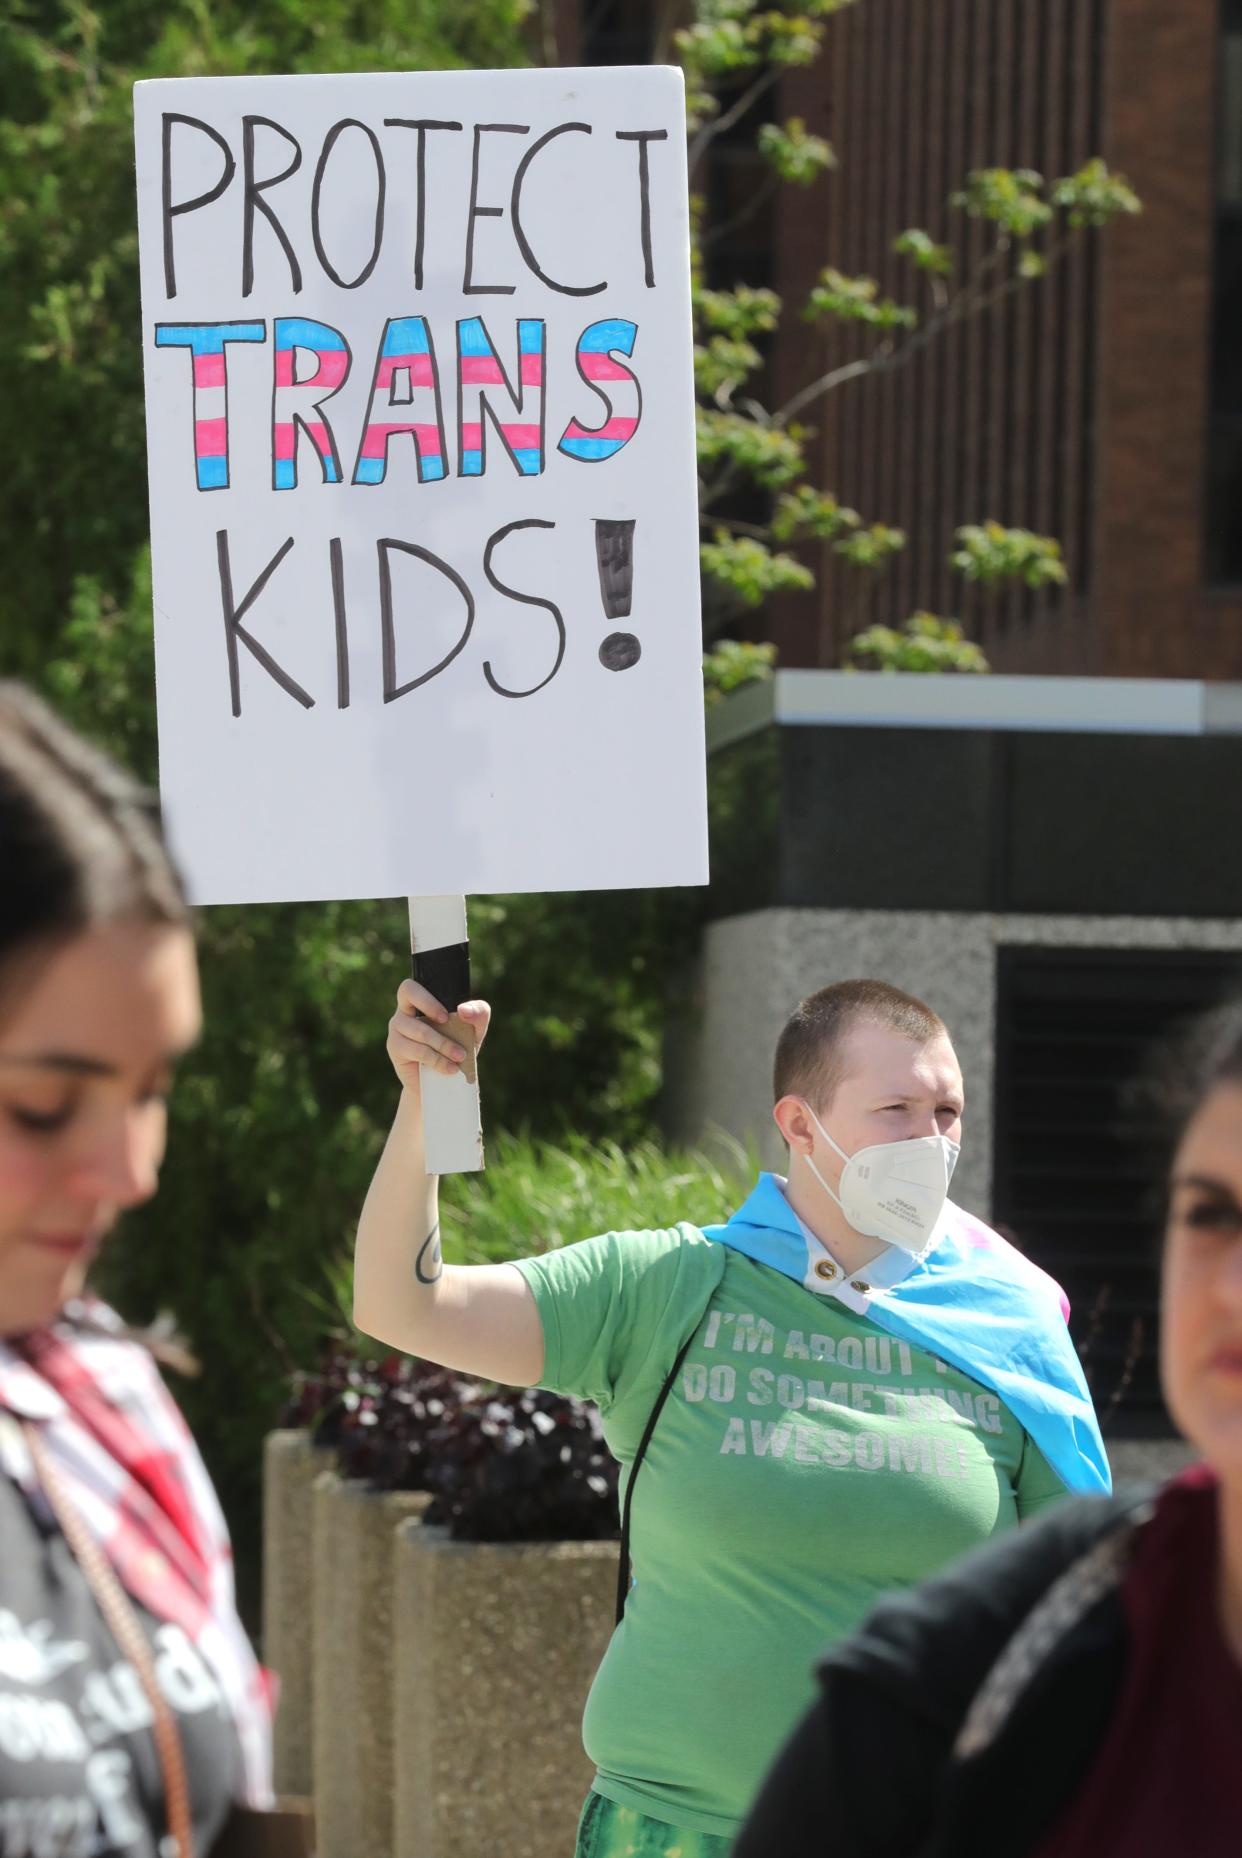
{"x":598,"y":367}
{"x":419,"y":366}
{"x":378,"y":435}
{"x":481,"y":371}
{"x":532,"y":370}
{"x":209,"y":370}
{"x":522,"y":438}
{"x":210,"y":437}
{"x":471,"y":438}
{"x":284,"y":367}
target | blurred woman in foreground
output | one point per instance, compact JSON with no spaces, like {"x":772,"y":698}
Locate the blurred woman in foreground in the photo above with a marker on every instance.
{"x":132,"y":1712}
{"x":1076,"y":1690}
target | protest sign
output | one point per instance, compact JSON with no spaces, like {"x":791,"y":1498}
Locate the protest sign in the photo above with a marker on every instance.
{"x":423,"y":495}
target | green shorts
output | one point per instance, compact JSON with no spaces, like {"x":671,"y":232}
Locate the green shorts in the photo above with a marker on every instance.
{"x":607,"y":1830}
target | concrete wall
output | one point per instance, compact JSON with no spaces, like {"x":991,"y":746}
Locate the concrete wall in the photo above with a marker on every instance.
{"x":754,"y":969}
{"x":496,"y":1647}
{"x":291,"y":1466}
{"x":352,"y":1636}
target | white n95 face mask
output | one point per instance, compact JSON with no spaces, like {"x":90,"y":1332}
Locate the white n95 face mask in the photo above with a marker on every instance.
{"x":894,"y":1191}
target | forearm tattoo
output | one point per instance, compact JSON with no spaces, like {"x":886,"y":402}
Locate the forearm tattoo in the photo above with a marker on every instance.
{"x":429,"y":1266}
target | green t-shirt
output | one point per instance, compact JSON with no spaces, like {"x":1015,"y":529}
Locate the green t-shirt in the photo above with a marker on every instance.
{"x":805,"y":1463}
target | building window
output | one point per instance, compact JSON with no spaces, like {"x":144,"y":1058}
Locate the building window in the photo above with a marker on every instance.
{"x":1224,"y":500}
{"x":1076,"y":1170}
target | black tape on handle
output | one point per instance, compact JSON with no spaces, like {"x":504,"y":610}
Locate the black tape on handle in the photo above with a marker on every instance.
{"x":445,"y":972}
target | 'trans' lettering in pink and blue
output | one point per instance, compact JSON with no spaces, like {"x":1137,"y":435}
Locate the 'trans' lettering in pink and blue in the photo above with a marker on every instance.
{"x":299,"y":403}
{"x":616,"y":386}
{"x":406,"y":378}
{"x":521,"y":423}
{"x":206,"y":343}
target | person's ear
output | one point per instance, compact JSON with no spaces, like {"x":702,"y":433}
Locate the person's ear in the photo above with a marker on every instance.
{"x":793,"y":1121}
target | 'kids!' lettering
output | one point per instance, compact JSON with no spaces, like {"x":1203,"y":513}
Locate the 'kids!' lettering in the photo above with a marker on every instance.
{"x":619,"y":651}
{"x":497,"y":376}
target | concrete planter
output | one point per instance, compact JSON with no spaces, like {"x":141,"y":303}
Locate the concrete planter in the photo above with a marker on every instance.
{"x":496,"y":1646}
{"x":290,"y":1466}
{"x":354,"y":1536}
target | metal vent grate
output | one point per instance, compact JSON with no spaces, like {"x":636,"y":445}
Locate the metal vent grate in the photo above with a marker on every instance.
{"x":1076,"y":1172}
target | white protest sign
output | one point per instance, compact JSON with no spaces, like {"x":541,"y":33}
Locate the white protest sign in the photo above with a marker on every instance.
{"x":423,"y":496}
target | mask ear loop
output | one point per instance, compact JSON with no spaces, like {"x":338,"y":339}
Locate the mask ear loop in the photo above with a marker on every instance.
{"x":810,"y":1160}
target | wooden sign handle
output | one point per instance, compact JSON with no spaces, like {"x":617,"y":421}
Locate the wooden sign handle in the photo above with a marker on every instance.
{"x":452,"y":1120}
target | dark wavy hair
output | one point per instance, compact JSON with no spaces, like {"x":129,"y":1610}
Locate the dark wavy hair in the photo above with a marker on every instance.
{"x":80,"y":846}
{"x":1206,"y":1053}
{"x":80,"y":839}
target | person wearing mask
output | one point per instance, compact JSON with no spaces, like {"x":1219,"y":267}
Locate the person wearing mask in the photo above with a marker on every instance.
{"x":133,"y":1716}
{"x":838,"y":1390}
{"x":1076,"y":1691}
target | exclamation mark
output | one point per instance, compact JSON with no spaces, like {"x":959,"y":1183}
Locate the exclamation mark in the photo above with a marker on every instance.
{"x":614,"y":551}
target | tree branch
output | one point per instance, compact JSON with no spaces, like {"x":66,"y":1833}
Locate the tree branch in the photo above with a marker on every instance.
{"x":836,"y":377}
{"x":757,"y":202}
{"x":667,"y":15}
{"x":972,"y":301}
{"x":734,"y":114}
{"x":754,"y":530}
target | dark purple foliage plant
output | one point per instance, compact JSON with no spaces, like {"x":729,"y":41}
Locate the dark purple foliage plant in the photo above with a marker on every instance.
{"x":501,"y":1464}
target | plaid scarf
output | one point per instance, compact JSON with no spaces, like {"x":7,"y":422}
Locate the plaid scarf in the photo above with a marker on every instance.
{"x":133,"y":1470}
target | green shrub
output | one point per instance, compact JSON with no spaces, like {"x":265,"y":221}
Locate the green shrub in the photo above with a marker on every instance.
{"x":257,"y":1299}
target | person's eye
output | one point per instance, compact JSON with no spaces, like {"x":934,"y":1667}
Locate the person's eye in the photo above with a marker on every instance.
{"x":40,"y":1122}
{"x":1221,"y":1216}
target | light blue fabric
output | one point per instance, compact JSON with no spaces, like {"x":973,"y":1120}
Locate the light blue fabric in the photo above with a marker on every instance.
{"x":973,"y":1300}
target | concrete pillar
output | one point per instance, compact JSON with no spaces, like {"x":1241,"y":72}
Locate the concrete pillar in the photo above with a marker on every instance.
{"x":496,"y":1646}
{"x":352,"y":1633}
{"x":290,"y":1466}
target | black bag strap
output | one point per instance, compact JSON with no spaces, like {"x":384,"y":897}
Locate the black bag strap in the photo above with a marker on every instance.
{"x":623,"y":1571}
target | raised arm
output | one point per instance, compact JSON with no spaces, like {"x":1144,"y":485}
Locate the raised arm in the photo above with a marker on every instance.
{"x":480,"y":1319}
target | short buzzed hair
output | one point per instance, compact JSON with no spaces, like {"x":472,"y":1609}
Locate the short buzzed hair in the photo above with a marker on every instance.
{"x":810,"y":1053}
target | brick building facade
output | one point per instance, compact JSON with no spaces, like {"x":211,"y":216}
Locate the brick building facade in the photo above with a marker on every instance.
{"x":1094,"y":406}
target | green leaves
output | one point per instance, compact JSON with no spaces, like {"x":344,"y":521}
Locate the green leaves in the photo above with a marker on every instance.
{"x":750,"y":571}
{"x":712,"y":50}
{"x":1018,"y":202}
{"x":871,"y":548}
{"x":730,"y":319}
{"x":924,"y":643}
{"x":768,"y":455}
{"x":732,"y":664}
{"x":793,"y":153}
{"x":1010,"y":198}
{"x":936,"y":260}
{"x":1094,"y":196}
{"x":806,"y":512}
{"x":857,"y":300}
{"x":990,"y":554}
{"x":722,"y":366}
{"x":739,"y":314}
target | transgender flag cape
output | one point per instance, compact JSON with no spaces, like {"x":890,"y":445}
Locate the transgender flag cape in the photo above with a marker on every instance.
{"x":974,"y":1301}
